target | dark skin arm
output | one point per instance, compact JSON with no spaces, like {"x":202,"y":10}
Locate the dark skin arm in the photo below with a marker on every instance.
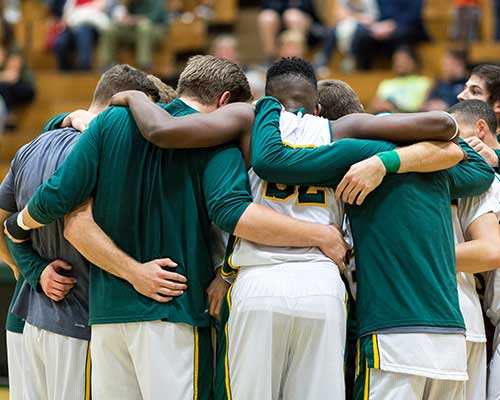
{"x":234,"y":123}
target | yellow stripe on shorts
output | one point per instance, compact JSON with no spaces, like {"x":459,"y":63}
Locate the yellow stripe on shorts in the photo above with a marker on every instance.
{"x":376,"y":357}
{"x":226,"y":358}
{"x":196,"y":363}
{"x":88,"y":369}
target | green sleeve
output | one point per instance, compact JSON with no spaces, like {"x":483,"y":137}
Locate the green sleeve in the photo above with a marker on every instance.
{"x":226,"y":189}
{"x":54,"y":122}
{"x":497,"y":168}
{"x":30,"y":264}
{"x":73,"y":182}
{"x":472,"y":177}
{"x":322,"y":166}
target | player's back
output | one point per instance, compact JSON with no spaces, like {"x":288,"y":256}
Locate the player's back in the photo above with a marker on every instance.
{"x":155,"y":203}
{"x":307,"y":203}
{"x":33,"y":164}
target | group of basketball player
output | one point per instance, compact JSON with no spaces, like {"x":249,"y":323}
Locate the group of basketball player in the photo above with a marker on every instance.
{"x":118,"y":238}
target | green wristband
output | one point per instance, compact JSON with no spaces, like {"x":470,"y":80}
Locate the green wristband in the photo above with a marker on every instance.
{"x":391,"y":161}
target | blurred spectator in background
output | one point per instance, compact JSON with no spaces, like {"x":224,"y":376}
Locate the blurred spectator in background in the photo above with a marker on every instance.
{"x":292,"y":44}
{"x":83,"y":19}
{"x":399,"y":23}
{"x":454,"y":73}
{"x":496,"y":11}
{"x":349,"y":14}
{"x":16,"y":83}
{"x":140,"y":22}
{"x":408,"y":90}
{"x":226,"y":47}
{"x":465,"y":22}
{"x":296,"y":15}
{"x":257,"y":81}
{"x":484,"y":84}
{"x":12,"y":11}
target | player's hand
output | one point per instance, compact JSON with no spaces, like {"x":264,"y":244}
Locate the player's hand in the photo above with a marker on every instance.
{"x":361,"y":179}
{"x":484,"y":150}
{"x":216,"y":292}
{"x":54,"y":285}
{"x":153,"y":281}
{"x":123,"y":98}
{"x":79,"y":119}
{"x":334,"y":246}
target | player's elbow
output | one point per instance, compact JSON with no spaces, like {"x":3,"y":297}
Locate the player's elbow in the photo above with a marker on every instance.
{"x":444,"y":125}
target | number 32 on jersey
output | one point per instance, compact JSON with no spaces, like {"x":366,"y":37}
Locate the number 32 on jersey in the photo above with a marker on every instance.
{"x":305,"y":195}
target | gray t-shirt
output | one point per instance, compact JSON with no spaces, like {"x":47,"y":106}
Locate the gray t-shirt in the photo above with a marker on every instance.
{"x":33,"y":164}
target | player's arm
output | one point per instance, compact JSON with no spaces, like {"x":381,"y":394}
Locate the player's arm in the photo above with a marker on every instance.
{"x":224,"y":125}
{"x":70,"y":186}
{"x":55,"y":122}
{"x":401,"y":128}
{"x":229,"y":204}
{"x":364,"y":176}
{"x":4,"y":250}
{"x":149,"y":279}
{"x":482,"y":250}
{"x":471,"y":177}
{"x":8,"y":206}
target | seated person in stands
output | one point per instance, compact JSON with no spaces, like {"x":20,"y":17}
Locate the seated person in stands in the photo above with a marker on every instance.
{"x":408,"y":90}
{"x":296,"y":15}
{"x":82,"y":20}
{"x":16,"y":83}
{"x":138,"y":22}
{"x":466,"y":18}
{"x":226,"y":47}
{"x":292,"y":44}
{"x":350,"y":15}
{"x":399,"y":23}
{"x":454,"y":73}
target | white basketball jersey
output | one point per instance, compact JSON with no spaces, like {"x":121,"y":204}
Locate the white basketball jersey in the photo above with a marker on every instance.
{"x":468,"y":210}
{"x":307,"y":203}
{"x":492,"y":293}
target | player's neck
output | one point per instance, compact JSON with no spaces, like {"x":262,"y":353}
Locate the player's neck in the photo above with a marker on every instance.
{"x":96,"y":108}
{"x":200,"y":107}
{"x":492,"y":142}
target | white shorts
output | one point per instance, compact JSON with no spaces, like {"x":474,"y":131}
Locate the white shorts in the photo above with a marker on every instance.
{"x":285,"y":335}
{"x":384,"y":385}
{"x":56,"y":367}
{"x":15,"y":363}
{"x":151,"y":361}
{"x":494,"y":376}
{"x":475,"y":387}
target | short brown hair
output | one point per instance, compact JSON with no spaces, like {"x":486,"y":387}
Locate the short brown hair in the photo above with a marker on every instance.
{"x":123,"y":77}
{"x":166,"y":92}
{"x":491,"y":75}
{"x":206,"y":78}
{"x":337,"y":99}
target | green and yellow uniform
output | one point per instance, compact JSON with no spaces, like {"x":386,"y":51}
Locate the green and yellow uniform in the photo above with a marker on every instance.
{"x":403,"y":232}
{"x":154,"y":203}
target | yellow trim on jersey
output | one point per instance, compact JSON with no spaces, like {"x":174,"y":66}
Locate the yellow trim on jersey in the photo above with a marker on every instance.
{"x":196,"y":362}
{"x":265,"y":196}
{"x":376,"y":357}
{"x":358,"y":358}
{"x":367,"y":382}
{"x":346,"y":302}
{"x":226,"y":357}
{"x":315,"y":190}
{"x":299,"y":146}
{"x":88,"y":369}
{"x":230,"y":261}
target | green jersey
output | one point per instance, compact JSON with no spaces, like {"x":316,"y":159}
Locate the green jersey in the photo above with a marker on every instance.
{"x":154,"y":203}
{"x":403,"y":234}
